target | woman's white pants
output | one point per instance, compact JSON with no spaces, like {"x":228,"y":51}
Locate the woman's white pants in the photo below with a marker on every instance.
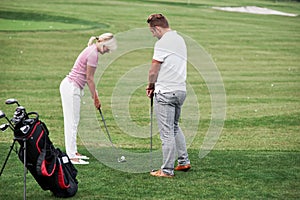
{"x":70,"y":98}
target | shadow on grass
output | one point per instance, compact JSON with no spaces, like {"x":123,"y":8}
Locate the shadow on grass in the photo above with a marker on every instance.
{"x":38,"y":17}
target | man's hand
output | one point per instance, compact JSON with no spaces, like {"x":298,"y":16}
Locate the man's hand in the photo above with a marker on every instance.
{"x":150,"y":90}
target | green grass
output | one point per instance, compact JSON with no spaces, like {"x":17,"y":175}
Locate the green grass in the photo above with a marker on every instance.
{"x":221,"y":175}
{"x":257,"y":154}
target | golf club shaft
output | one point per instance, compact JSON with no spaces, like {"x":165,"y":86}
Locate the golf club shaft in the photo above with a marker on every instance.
{"x":102,"y":117}
{"x":151,"y":123}
{"x":11,"y":124}
{"x":112,"y":144}
{"x":151,"y":130}
{"x":11,"y":127}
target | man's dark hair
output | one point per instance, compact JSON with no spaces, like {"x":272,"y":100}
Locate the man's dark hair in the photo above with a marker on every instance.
{"x":158,"y":20}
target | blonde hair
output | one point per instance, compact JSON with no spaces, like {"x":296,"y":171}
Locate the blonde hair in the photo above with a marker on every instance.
{"x":106,"y":39}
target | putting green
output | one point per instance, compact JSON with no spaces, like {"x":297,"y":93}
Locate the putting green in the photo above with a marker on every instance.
{"x":24,"y":25}
{"x":18,"y":21}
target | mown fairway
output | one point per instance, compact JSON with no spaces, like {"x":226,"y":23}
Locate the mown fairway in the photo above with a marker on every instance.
{"x":257,"y":155}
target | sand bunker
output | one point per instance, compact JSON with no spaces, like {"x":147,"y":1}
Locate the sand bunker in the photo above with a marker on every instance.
{"x":254,"y":10}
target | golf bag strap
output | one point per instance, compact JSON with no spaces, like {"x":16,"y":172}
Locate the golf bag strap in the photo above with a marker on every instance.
{"x":46,"y":167}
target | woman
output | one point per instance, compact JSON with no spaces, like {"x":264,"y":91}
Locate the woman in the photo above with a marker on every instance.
{"x":71,"y":90}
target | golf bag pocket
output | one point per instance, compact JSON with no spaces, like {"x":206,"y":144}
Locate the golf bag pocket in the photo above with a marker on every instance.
{"x":65,"y":176}
{"x":59,"y":172}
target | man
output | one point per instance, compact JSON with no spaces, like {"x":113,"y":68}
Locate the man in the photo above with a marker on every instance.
{"x":167,"y":84}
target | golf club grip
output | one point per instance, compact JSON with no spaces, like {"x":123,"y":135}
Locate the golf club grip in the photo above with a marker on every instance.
{"x":101,"y":114}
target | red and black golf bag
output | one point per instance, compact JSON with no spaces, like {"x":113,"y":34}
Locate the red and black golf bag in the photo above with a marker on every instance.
{"x":50,"y":167}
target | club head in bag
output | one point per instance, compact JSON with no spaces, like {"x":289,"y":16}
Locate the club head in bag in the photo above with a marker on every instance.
{"x":3,"y":127}
{"x":12,"y":101}
{"x":2,"y":114}
{"x":19,"y":115}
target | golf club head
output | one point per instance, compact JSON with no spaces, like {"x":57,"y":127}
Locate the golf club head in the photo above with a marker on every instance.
{"x":19,"y":115}
{"x":12,"y":101}
{"x":3,"y":127}
{"x":2,"y":114}
{"x":25,"y":129}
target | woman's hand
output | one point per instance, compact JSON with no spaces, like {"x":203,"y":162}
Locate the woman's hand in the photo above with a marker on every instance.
{"x":97,"y":102}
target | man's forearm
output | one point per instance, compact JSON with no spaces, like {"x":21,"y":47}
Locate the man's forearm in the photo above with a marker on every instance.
{"x":153,"y":73}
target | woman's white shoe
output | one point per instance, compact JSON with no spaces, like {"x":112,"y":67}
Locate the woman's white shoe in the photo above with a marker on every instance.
{"x":78,"y":155}
{"x":79,"y":162}
{"x":82,"y":157}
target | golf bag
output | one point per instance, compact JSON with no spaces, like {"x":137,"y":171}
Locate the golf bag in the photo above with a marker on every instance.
{"x":50,"y":167}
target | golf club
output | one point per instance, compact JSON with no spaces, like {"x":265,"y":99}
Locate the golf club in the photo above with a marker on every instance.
{"x":2,"y":115}
{"x":20,"y":112}
{"x":19,"y":115}
{"x":3,"y":127}
{"x":12,"y":101}
{"x":151,"y":132}
{"x":122,"y":158}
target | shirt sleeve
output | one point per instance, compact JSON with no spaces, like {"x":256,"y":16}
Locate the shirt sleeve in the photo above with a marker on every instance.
{"x":92,"y":59}
{"x":160,"y":53}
